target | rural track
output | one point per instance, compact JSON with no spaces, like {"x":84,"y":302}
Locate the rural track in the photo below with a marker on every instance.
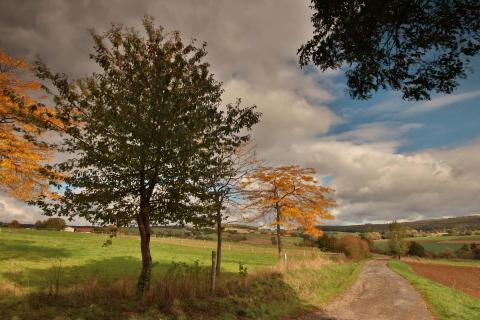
{"x":378,"y":294}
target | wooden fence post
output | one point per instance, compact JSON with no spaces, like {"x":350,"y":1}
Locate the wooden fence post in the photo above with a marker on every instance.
{"x":214,"y":273}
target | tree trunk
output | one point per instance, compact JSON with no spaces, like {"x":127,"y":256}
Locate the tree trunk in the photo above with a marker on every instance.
{"x":219,"y":241}
{"x":145,"y":232}
{"x":279,"y":238}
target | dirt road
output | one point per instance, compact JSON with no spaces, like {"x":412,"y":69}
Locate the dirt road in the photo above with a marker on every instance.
{"x":379,"y":294}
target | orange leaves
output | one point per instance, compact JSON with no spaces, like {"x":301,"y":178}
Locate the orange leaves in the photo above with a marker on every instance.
{"x":22,"y":121}
{"x":291,"y":194}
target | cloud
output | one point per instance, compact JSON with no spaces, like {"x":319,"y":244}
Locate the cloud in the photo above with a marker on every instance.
{"x":374,"y":183}
{"x":252,"y":48}
{"x":397,"y":106}
{"x":11,"y":209}
{"x":376,"y":131}
{"x":443,"y":101}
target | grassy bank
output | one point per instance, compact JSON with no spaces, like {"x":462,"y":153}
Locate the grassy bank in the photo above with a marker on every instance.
{"x":58,"y":275}
{"x":445,"y":303}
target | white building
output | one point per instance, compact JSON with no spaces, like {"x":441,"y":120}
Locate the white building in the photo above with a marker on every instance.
{"x":69,"y":229}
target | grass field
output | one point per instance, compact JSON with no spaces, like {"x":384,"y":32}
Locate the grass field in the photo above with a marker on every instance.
{"x":444,"y":303}
{"x":436,"y":243}
{"x":90,"y":274}
{"x":31,"y":252}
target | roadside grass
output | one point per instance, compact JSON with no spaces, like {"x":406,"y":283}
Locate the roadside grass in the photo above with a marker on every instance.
{"x":58,"y":275}
{"x":445,"y":303}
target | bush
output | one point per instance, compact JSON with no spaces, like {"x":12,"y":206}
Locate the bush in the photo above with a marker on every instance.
{"x":274,"y":240}
{"x":327,"y":243}
{"x":353,"y":247}
{"x":416,"y":249}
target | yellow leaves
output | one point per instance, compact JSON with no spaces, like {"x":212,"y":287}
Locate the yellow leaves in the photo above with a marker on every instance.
{"x":292,"y":194}
{"x":22,"y":121}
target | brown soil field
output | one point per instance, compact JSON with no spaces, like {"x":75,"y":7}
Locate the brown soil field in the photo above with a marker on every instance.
{"x":466,"y":279}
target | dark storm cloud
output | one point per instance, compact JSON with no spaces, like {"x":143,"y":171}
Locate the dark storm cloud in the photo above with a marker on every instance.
{"x":252,"y":47}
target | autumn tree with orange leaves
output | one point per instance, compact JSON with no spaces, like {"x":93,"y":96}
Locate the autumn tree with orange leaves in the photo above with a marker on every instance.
{"x":291,"y":196}
{"x":23,"y":121}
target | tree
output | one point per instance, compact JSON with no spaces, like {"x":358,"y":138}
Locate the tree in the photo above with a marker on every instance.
{"x":416,"y":47}
{"x":14,"y":224}
{"x":416,"y":249}
{"x":141,"y":133}
{"x":54,"y":224}
{"x":397,"y":245}
{"x":23,"y":121}
{"x":223,"y":185}
{"x":291,"y":195}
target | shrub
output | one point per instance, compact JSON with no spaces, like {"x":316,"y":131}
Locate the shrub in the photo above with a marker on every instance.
{"x":274,"y":240}
{"x":327,"y":243}
{"x":416,"y":249}
{"x":353,"y":247}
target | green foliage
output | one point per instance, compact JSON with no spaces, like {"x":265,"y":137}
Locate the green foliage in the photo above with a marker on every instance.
{"x":416,"y":47}
{"x":397,"y":245}
{"x":445,"y":303}
{"x":416,"y":249}
{"x":143,"y":131}
{"x":51,"y":224}
{"x":242,"y":269}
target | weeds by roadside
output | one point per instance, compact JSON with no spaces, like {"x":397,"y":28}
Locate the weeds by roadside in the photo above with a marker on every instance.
{"x":182,"y":292}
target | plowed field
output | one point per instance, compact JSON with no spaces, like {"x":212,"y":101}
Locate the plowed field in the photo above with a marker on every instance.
{"x":466,"y":279}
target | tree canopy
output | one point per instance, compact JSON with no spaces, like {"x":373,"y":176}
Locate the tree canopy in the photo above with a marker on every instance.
{"x":291,"y":196}
{"x":397,"y":245}
{"x":142,"y":133}
{"x":416,"y":47}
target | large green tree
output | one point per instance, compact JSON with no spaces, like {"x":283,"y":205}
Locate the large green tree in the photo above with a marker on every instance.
{"x":140,"y":134}
{"x":413,"y":46}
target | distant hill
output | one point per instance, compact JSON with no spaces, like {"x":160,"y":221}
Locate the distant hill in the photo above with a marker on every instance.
{"x":460,"y":223}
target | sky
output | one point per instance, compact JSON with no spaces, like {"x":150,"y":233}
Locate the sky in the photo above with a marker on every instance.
{"x":388,"y":159}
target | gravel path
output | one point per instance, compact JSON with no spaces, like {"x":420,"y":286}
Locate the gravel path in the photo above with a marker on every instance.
{"x":378,"y":294}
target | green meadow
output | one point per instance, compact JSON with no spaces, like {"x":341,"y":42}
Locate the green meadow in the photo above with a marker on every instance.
{"x":61,"y":275}
{"x":435,"y":243}
{"x":31,"y":253}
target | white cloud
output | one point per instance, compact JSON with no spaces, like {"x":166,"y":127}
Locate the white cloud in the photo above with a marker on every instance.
{"x":375,"y":184}
{"x":443,"y":101}
{"x":393,"y":104}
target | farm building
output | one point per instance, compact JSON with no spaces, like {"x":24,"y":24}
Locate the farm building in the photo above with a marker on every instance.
{"x":69,"y":229}
{"x":84,"y":229}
